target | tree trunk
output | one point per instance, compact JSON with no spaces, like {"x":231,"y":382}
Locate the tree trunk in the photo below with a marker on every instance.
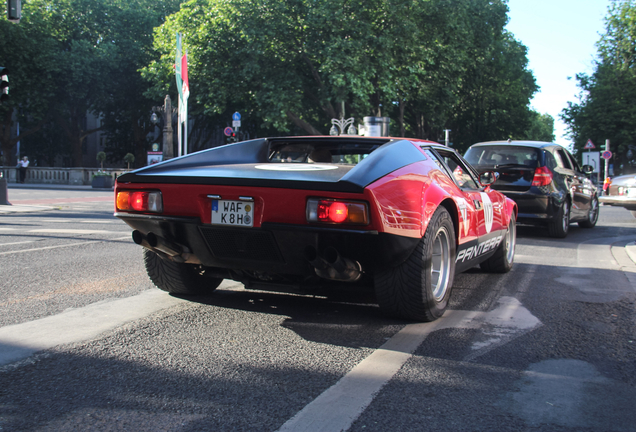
{"x":303,"y":124}
{"x":401,"y":118}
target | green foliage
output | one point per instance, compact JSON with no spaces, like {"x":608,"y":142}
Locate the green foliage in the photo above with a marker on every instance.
{"x":288,"y":66}
{"x":541,"y":128}
{"x":291,"y":63}
{"x":606,"y":108}
{"x":129,"y":158}
{"x":71,"y":57}
{"x":101,"y":157}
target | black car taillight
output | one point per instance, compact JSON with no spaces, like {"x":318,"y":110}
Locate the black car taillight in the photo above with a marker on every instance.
{"x":542,"y":176}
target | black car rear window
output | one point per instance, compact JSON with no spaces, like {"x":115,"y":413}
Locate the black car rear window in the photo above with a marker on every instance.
{"x":320,"y":152}
{"x":496,"y":156}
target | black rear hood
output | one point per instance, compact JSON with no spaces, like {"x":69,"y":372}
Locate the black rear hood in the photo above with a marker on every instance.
{"x":246,"y":164}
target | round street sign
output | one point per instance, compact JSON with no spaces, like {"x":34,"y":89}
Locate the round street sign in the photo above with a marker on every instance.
{"x":606,"y":154}
{"x":236,"y":116}
{"x":228,"y":131}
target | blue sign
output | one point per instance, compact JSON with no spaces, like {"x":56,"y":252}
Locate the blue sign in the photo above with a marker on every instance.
{"x":228,"y":131}
{"x":236,"y":116}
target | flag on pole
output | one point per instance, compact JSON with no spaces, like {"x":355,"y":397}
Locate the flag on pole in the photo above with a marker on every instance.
{"x":184,"y":76}
{"x":177,"y":66}
{"x":183,"y":87}
{"x":185,"y":93}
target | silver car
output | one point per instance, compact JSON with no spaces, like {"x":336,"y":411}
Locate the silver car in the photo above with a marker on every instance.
{"x":621,"y":192}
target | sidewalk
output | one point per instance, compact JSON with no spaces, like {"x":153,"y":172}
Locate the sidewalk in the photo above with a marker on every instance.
{"x":17,"y":208}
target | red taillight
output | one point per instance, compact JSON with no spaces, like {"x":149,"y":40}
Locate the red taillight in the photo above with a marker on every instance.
{"x":141,"y":201}
{"x":337,"y":211}
{"x":542,"y":176}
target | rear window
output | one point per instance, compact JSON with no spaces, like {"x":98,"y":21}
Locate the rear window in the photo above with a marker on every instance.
{"x":500,"y":156}
{"x":317,"y":152}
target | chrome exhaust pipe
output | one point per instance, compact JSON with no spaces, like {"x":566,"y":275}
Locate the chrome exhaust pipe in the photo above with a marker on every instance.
{"x":345,"y":268}
{"x":161,"y":244}
{"x":333,"y":266}
{"x":165,"y":248}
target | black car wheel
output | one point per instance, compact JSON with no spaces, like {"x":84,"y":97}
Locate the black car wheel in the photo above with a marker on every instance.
{"x":177,"y":278}
{"x":420,"y":287}
{"x":559,"y":226}
{"x":592,"y":216}
{"x":504,"y":256}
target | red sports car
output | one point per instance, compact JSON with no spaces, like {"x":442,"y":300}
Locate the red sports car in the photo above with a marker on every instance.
{"x":400,"y":216}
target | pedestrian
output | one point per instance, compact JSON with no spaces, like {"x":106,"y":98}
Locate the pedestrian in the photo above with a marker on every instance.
{"x":22,"y":165}
{"x":606,"y":185}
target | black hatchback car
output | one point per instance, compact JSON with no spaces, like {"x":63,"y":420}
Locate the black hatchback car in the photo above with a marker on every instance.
{"x":546,"y":182}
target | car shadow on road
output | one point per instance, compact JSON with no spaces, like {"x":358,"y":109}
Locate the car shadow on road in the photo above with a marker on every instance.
{"x":343,"y":319}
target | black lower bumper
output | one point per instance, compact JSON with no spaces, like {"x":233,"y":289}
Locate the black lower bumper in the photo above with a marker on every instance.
{"x":274,"y":248}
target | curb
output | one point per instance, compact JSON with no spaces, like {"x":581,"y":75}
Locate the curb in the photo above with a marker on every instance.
{"x":630,"y":248}
{"x":6,"y":209}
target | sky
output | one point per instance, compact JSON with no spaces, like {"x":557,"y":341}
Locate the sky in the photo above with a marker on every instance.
{"x":560,"y":36}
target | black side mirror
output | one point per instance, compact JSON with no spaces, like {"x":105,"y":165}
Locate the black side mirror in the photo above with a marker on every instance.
{"x":488,"y":178}
{"x":587,"y":169}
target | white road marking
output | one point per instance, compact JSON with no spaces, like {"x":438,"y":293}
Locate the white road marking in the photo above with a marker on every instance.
{"x":70,"y":231}
{"x":17,"y":243}
{"x":340,"y":405}
{"x":61,"y":246}
{"x":60,"y":231}
{"x":509,"y":319}
{"x":22,"y":340}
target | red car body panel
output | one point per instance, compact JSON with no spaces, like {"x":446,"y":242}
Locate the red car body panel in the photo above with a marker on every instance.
{"x":401,"y":196}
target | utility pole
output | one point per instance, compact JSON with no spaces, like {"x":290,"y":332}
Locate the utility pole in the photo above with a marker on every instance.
{"x":607,"y":148}
{"x":447,"y":137}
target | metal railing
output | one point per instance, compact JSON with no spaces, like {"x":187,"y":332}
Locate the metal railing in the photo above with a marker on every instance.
{"x":52,"y":175}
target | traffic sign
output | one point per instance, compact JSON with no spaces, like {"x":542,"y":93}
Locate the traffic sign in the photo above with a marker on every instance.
{"x":228,"y":131}
{"x":236,"y":116}
{"x":606,"y":154}
{"x":589,"y":145}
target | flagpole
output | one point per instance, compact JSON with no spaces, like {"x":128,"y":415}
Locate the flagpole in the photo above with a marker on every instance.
{"x":177,"y":67}
{"x":186,"y":95}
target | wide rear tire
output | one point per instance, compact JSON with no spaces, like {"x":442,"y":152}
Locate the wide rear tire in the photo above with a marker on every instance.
{"x":419,"y":288}
{"x":560,"y":225}
{"x":177,"y":278}
{"x":504,"y":256}
{"x":592,"y":216}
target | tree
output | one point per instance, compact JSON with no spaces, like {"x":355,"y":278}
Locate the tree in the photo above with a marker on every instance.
{"x":27,"y":53}
{"x":101,"y":157}
{"x":293,"y":64}
{"x":606,"y":108}
{"x":82,"y":56}
{"x":541,"y":128}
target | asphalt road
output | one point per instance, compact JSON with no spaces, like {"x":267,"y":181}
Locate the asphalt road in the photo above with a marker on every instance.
{"x":86,"y":342}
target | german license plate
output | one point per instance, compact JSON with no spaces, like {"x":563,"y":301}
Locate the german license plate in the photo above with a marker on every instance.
{"x":631,"y":192}
{"x":235,"y":213}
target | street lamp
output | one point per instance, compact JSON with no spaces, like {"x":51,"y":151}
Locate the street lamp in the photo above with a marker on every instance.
{"x":166,"y":110}
{"x":342,"y":125}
